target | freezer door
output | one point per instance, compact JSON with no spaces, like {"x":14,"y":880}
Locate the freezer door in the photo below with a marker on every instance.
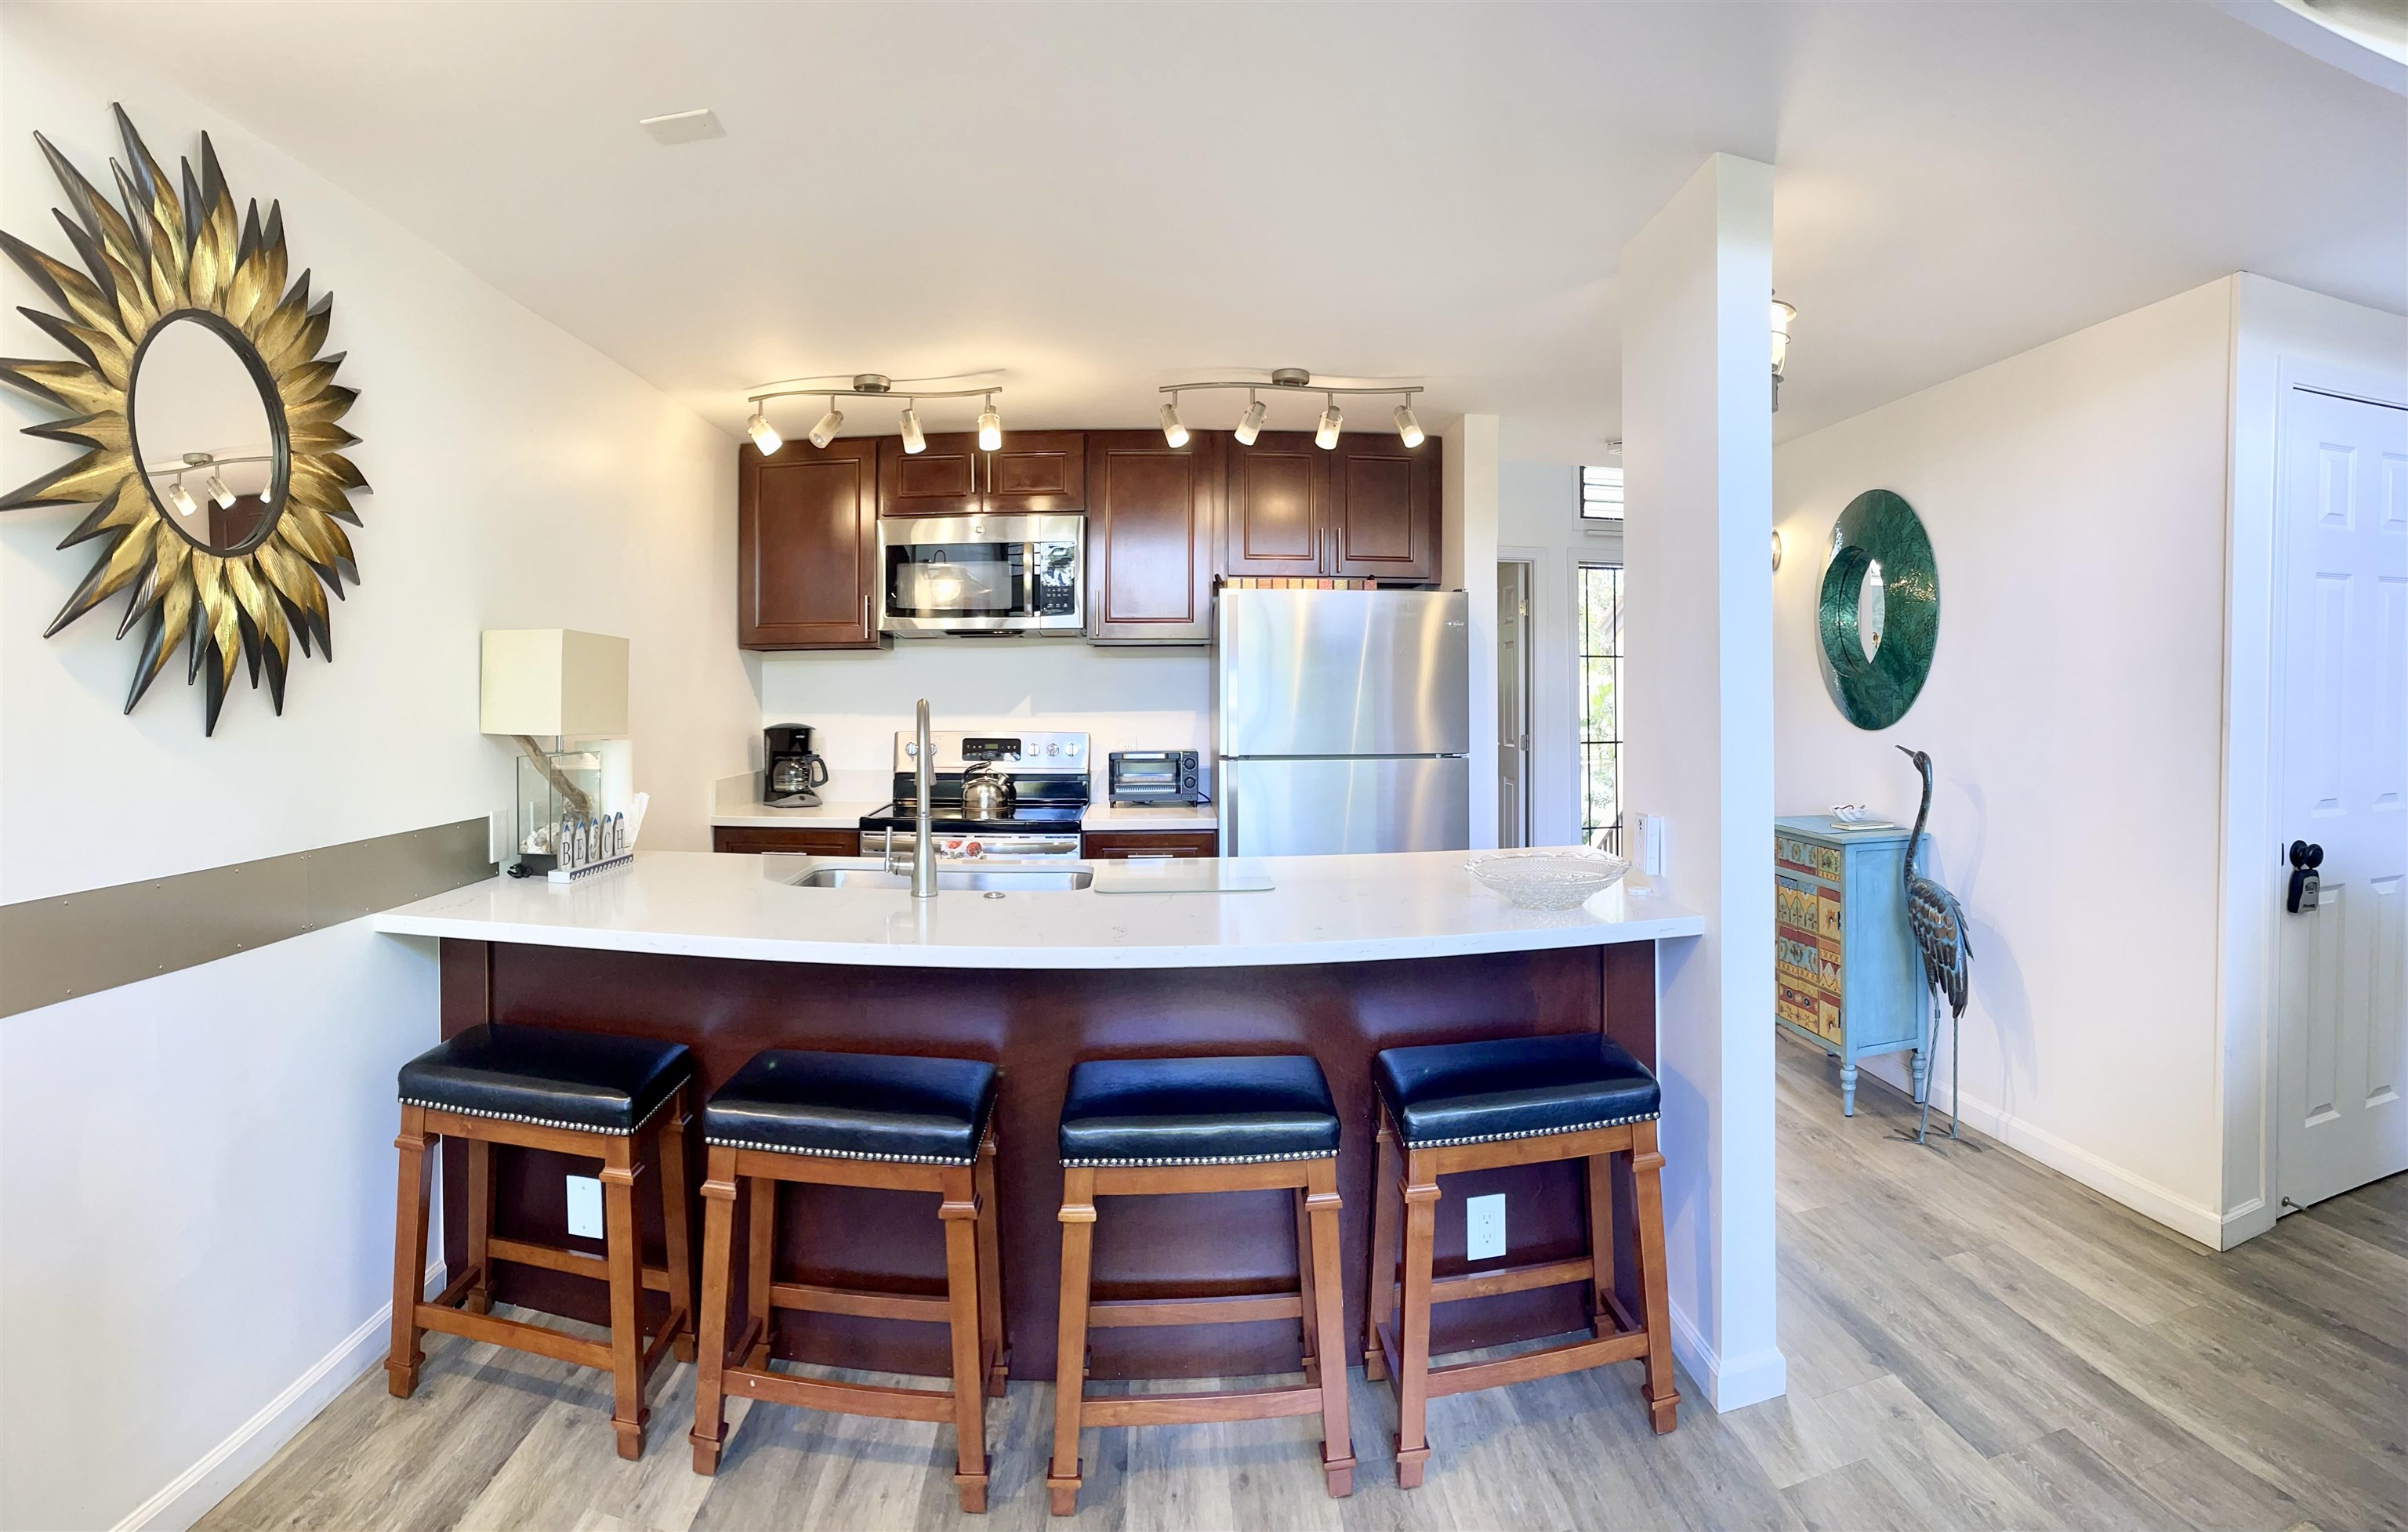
{"x":1302,"y":807}
{"x":1342,"y":673}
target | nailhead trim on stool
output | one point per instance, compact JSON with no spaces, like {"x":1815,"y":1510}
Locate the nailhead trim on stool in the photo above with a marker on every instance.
{"x":536,"y":1121}
{"x":1221,"y":1159}
{"x":1532,"y":1132}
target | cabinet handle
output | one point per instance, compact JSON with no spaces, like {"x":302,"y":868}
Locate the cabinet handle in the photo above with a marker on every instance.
{"x":866,"y":628}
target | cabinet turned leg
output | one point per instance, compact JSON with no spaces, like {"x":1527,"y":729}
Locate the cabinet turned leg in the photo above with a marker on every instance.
{"x":1380,"y":1294}
{"x":1071,"y":1356}
{"x":409,"y":1254}
{"x":1847,"y":1090}
{"x":1647,"y":1185}
{"x":710,"y":1347}
{"x":959,"y":1210}
{"x":1414,"y":1353}
{"x":619,"y":1172}
{"x":480,"y":1298}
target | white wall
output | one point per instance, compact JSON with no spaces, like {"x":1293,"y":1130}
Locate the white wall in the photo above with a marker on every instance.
{"x":1539,"y":520}
{"x":1697,"y":668}
{"x":197,"y":1170}
{"x":2075,"y":500}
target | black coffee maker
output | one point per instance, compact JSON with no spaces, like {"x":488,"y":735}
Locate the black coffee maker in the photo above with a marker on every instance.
{"x":791,"y":772}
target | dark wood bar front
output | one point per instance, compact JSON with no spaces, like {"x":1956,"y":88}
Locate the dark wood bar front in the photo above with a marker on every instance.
{"x":1035,"y":1024}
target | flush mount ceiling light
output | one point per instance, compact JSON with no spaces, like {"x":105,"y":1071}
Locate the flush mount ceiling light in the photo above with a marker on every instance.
{"x":690,"y":127}
{"x":1296,"y":379}
{"x":866,"y":385}
{"x":1782,"y":314}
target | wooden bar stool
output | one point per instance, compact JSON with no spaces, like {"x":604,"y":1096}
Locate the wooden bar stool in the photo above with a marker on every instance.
{"x":1140,"y":1127}
{"x":1477,"y":1106}
{"x":898,"y":1123}
{"x":619,"y":1100}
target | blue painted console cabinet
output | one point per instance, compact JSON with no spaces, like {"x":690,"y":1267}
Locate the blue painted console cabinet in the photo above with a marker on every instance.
{"x":1845,"y":974}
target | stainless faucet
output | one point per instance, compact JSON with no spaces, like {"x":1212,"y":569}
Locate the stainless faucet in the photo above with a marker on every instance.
{"x":924,"y":843}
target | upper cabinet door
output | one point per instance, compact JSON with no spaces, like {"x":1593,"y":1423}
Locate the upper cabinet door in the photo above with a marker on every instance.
{"x":1151,"y":528}
{"x":807,"y":546}
{"x":1383,"y":508}
{"x":1034,"y":471}
{"x":944,"y":481}
{"x":1274,"y":519}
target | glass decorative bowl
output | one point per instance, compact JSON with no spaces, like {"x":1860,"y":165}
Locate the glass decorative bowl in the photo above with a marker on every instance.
{"x":1559,"y":878}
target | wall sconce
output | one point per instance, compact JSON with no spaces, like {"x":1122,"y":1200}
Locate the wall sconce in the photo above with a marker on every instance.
{"x":1782,"y":314}
{"x":1776,"y":551}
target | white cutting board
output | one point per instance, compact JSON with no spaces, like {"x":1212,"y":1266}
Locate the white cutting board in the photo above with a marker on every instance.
{"x":1177,"y":875}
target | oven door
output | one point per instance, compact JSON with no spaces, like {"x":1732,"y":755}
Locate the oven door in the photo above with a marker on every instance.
{"x":980,"y":574}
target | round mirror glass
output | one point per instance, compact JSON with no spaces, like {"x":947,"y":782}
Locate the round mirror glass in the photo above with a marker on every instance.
{"x":205,"y":435}
{"x":1872,"y":606}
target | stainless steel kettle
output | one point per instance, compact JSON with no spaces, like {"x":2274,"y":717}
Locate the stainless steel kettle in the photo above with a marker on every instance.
{"x":988,"y":794}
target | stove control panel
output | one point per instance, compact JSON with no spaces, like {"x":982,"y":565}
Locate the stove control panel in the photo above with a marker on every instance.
{"x":1049,"y":752}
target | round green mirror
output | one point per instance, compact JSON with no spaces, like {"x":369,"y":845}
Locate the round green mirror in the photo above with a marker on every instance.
{"x":1878,"y":620}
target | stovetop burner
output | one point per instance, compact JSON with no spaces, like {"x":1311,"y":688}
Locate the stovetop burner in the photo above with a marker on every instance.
{"x":948,"y":820}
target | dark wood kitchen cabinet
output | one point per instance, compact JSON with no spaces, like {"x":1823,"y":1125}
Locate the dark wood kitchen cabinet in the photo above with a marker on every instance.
{"x":1145,"y":845}
{"x":1032,"y":471}
{"x":1153,"y":518}
{"x":1383,"y":499}
{"x":1367,"y":509}
{"x":807,"y":546}
{"x":812,"y":842}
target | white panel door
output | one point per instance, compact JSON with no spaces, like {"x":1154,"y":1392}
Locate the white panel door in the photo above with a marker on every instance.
{"x":2341,"y":1025}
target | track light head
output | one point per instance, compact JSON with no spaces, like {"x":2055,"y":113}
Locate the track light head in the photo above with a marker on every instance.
{"x":1249,"y":424}
{"x":764,"y":435}
{"x":1324,"y":435}
{"x":913,"y":439}
{"x":990,"y":427}
{"x":216,"y":489}
{"x":831,"y":423}
{"x":1172,"y":431}
{"x":1409,"y":430}
{"x":182,"y":498}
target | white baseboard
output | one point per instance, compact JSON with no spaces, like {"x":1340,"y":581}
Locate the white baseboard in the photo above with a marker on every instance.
{"x":1729,"y":1385}
{"x":2248,"y":1221}
{"x":190,"y":1494}
{"x":2189,"y":1219}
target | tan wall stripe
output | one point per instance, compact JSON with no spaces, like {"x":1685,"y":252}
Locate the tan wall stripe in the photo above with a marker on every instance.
{"x":56,"y":949}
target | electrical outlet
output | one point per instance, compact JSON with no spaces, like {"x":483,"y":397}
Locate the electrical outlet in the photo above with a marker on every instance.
{"x":586,"y":1206}
{"x":1484,"y":1227}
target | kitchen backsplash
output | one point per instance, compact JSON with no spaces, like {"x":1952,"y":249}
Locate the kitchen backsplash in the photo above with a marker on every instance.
{"x":1125,"y":698}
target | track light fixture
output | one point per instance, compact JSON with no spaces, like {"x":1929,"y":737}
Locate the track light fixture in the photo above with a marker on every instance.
{"x":215,"y":488}
{"x":213,"y":483}
{"x":868,"y":385}
{"x":1249,"y":424}
{"x":764,"y":435}
{"x":829,"y":423}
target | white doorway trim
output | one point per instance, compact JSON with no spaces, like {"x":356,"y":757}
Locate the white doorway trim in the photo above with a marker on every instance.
{"x":2251,"y":876}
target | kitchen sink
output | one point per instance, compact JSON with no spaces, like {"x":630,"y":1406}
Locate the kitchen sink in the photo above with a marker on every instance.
{"x":992,"y":879}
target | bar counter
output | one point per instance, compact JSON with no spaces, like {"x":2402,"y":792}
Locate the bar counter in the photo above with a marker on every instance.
{"x":1344,"y":956}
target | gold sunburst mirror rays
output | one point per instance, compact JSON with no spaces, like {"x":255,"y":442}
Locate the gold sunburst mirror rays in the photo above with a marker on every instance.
{"x":213,"y":448}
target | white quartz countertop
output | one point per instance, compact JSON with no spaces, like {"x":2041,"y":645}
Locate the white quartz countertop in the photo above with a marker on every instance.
{"x":1149,"y":816}
{"x":1320,"y":910}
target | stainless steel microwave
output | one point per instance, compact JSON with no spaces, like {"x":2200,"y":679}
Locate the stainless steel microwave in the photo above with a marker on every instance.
{"x":973,"y":575}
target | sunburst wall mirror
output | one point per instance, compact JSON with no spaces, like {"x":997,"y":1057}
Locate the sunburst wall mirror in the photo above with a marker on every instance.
{"x":213,"y":455}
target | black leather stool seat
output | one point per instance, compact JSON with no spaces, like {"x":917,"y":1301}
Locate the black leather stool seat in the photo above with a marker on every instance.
{"x":1196,"y":1111}
{"x":1470,"y":1093}
{"x":855,"y":1106}
{"x":585,"y":1082}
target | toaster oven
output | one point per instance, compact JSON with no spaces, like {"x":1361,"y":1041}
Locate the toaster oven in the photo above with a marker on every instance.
{"x":1156,"y":776}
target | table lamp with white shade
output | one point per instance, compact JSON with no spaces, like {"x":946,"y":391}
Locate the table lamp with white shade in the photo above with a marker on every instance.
{"x":556,"y":685}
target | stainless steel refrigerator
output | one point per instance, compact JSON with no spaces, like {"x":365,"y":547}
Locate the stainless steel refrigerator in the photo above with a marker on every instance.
{"x":1341,"y":722}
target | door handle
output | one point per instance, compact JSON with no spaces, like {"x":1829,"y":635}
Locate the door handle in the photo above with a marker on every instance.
{"x":2307,"y":857}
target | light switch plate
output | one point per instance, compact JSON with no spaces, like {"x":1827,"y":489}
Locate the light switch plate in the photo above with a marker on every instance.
{"x":586,"y":1206}
{"x":1484,"y":1227}
{"x":1653,"y":852}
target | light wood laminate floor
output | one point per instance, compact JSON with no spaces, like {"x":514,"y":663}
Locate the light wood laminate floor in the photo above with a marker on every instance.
{"x":1974,"y":1342}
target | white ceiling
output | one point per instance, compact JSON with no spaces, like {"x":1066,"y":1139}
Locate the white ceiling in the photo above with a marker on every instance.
{"x":1088,"y":201}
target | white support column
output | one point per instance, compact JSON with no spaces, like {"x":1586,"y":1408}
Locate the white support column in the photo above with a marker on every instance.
{"x":1697,"y":427}
{"x":1468,"y":564}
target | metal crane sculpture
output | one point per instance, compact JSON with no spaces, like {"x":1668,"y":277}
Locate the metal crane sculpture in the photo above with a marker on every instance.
{"x":1938,"y":922}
